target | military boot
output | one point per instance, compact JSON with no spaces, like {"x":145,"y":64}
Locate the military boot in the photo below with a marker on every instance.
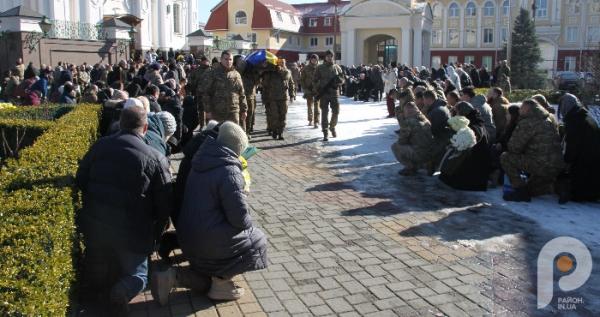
{"x":333,"y":133}
{"x":325,"y":135}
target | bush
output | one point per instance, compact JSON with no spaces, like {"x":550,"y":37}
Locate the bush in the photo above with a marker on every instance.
{"x":518,"y":95}
{"x":39,"y":201}
{"x":42,"y":112}
{"x":16,"y":134}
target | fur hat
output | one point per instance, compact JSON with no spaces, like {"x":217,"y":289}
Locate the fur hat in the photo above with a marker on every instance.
{"x":168,"y":122}
{"x":133,"y":102}
{"x":233,"y":137}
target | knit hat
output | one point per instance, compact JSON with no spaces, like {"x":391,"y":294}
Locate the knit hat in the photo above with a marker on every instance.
{"x":133,"y":102}
{"x":210,"y":125}
{"x":168,"y":122}
{"x":233,"y":137}
{"x":464,"y":108}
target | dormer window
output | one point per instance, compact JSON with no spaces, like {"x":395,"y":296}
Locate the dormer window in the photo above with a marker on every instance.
{"x":241,"y":18}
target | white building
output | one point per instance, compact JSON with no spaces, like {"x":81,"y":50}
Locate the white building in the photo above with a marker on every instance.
{"x":159,"y":23}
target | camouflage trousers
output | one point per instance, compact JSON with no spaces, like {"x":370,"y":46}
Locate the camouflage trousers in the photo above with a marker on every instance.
{"x":279,"y":110}
{"x":251,"y":101}
{"x":313,"y":109}
{"x":541,"y":178}
{"x":406,"y":155}
{"x":325,"y":102}
{"x":233,"y":116}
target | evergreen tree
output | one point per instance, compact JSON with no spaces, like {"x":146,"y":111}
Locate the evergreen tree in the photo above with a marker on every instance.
{"x":525,"y":54}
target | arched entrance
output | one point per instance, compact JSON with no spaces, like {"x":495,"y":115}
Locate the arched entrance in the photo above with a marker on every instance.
{"x":380,"y":49}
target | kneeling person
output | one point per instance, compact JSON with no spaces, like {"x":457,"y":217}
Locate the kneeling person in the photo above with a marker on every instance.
{"x":414,"y":142}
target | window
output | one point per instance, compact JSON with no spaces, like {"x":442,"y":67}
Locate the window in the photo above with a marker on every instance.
{"x":453,"y":37}
{"x":279,"y":17}
{"x":453,"y":10}
{"x":541,"y":8}
{"x":488,"y":36}
{"x":327,"y":21}
{"x":176,"y":18}
{"x":574,"y":6}
{"x":436,"y":37}
{"x":241,"y":18}
{"x":470,"y":10}
{"x":437,"y":11}
{"x":251,"y":37}
{"x":293,"y":19}
{"x":593,"y":34}
{"x":505,"y":8}
{"x":314,"y":41}
{"x":452,"y":59}
{"x":486,"y":61}
{"x":570,"y":63}
{"x":469,"y":59}
{"x":329,"y":41}
{"x":470,"y":37}
{"x":489,"y":9}
{"x":504,"y":35}
{"x":572,"y":34}
{"x":312,"y":22}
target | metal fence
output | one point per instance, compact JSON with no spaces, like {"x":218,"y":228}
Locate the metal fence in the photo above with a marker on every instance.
{"x":76,"y":30}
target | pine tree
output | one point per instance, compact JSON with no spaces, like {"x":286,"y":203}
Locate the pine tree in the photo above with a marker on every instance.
{"x":525,"y":54}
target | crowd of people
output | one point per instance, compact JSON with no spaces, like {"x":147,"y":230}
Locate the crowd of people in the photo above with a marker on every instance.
{"x":167,"y":102}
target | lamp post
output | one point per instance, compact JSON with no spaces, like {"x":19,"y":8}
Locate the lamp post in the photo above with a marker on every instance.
{"x":45,"y":25}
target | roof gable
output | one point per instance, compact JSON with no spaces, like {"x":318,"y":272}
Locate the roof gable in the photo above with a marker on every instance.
{"x":219,"y":18}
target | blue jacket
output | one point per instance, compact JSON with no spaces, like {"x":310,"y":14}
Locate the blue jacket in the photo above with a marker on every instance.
{"x":214,"y":228}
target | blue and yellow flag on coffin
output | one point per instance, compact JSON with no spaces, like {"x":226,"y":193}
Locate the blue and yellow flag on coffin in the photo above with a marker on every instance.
{"x":261,"y":56}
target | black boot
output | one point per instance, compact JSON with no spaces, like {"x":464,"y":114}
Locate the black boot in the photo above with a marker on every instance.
{"x":274,"y":134}
{"x":281,"y":136}
{"x":518,"y":195}
{"x":325,"y":135}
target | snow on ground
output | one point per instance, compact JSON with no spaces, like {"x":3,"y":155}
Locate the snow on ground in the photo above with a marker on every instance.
{"x":362,"y":152}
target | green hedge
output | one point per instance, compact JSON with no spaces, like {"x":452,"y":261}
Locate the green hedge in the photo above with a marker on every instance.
{"x":42,"y":112}
{"x":20,"y":133}
{"x":39,"y":201}
{"x":518,"y":95}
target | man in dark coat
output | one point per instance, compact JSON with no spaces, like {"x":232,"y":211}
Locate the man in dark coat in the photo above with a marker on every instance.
{"x":217,"y":235}
{"x":126,"y":188}
{"x":438,"y":114}
{"x":582,"y":150}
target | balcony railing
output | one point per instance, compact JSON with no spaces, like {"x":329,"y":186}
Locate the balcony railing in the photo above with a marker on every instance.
{"x":76,"y":30}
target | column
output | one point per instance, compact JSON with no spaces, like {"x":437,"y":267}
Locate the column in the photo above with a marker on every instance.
{"x":405,"y":57}
{"x":84,"y":9}
{"x":162,"y":29}
{"x":418,"y":47}
{"x":350,"y":52}
{"x":461,"y":28}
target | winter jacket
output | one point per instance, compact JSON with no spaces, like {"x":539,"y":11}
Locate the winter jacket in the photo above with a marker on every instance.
{"x":223,"y":92}
{"x":473,"y":171}
{"x":537,"y":140}
{"x":126,"y":189}
{"x":278,"y":84}
{"x":500,"y":114}
{"x":416,"y":131}
{"x":217,"y":235}
{"x":453,"y":77}
{"x":438,"y":114}
{"x":582,"y":154}
{"x":154,"y":137}
{"x":328,"y":78}
{"x":485,"y":111}
{"x":391,"y":79}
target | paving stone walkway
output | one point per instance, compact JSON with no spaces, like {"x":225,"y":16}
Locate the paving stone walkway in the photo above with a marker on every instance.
{"x":336,"y":251}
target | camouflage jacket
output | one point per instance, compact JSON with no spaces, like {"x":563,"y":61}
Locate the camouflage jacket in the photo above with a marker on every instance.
{"x":328,"y":79}
{"x":196,"y":78}
{"x":536,"y":138}
{"x":223,"y":91}
{"x":306,"y":79}
{"x":416,"y":131}
{"x":278,"y":84}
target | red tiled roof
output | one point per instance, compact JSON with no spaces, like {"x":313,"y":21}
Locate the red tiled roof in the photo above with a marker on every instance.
{"x":219,"y":19}
{"x":262,"y":17}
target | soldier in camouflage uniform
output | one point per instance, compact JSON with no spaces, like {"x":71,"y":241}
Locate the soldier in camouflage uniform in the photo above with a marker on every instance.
{"x":503,"y":74}
{"x":534,"y":148}
{"x":195,"y":87}
{"x":279,"y":85}
{"x":306,"y":80}
{"x":414,"y":141}
{"x":223,"y":92}
{"x":250,"y":78}
{"x":327,"y":81}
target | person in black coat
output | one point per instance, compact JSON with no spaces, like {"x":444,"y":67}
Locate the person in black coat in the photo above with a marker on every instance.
{"x":484,"y":77}
{"x":189,"y":119}
{"x":582,"y":150}
{"x":472,"y":172}
{"x":127,"y":198}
